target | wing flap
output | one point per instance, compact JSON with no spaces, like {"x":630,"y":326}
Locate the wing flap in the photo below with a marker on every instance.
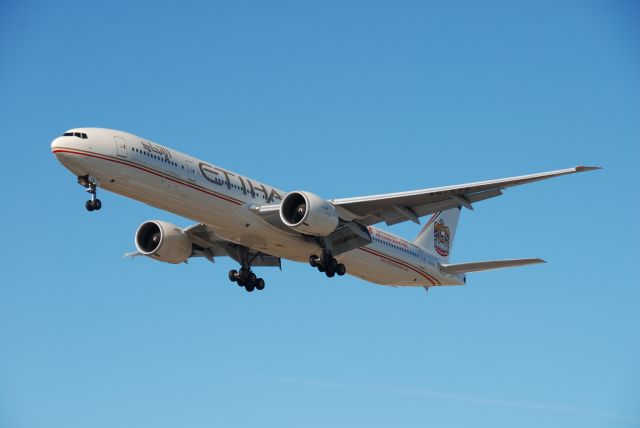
{"x":458,"y":268}
{"x":209,"y":245}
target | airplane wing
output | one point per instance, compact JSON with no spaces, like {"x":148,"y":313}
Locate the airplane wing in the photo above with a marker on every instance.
{"x":458,"y":268}
{"x":393,"y":208}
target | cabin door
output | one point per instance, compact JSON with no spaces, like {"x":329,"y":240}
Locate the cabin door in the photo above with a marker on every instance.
{"x":121,"y":147}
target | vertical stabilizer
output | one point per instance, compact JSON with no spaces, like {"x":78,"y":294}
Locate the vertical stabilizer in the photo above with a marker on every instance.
{"x":437,"y":235}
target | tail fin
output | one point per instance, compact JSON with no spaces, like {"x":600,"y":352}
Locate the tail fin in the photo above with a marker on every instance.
{"x":437,"y":235}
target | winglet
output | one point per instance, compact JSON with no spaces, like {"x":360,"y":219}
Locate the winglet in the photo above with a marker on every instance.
{"x":582,"y":168}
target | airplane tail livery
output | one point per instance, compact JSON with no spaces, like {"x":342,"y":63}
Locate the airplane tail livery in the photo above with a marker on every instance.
{"x":436,"y":237}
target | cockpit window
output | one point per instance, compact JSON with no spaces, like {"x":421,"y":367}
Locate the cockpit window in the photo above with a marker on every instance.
{"x":75,"y":134}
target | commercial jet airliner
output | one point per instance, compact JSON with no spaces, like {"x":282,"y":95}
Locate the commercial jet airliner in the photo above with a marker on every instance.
{"x":258,"y":225}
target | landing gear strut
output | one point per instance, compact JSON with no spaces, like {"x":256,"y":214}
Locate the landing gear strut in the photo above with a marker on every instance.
{"x":245,"y":277}
{"x":327,"y":264}
{"x":91,"y":184}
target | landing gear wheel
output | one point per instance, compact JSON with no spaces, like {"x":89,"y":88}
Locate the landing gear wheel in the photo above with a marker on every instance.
{"x":327,"y":264}
{"x":327,"y":258}
{"x":89,"y":205}
{"x":313,"y":260}
{"x":97,"y":204}
{"x":243,"y":275}
{"x":233,"y":275}
{"x":252,"y":278}
{"x":260,"y":284}
{"x":249,"y":288}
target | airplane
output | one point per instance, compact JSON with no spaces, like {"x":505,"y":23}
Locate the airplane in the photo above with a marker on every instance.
{"x":259,"y":225}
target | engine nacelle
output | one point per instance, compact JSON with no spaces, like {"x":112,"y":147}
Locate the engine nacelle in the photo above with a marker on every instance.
{"x":308,"y":213}
{"x":163,"y":241}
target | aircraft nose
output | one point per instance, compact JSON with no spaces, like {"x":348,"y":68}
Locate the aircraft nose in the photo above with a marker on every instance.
{"x":55,"y":144}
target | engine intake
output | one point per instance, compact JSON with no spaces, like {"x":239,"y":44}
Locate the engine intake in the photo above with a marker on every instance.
{"x":308,"y":213}
{"x":163,"y":241}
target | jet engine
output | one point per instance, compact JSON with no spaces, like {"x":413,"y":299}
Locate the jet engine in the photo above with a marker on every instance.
{"x":308,"y":213}
{"x":163,"y":241}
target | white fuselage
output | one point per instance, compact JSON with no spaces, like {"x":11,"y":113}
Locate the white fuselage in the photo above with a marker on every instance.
{"x":164,"y":178}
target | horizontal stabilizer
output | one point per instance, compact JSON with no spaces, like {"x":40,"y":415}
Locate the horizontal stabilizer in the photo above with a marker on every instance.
{"x":458,"y":268}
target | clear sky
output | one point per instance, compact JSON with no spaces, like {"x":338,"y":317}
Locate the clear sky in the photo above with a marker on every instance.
{"x":341,"y":99}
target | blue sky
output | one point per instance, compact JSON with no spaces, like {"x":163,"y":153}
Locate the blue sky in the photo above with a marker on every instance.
{"x":342,"y":99}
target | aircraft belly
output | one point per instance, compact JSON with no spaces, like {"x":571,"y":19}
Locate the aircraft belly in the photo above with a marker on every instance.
{"x":379,"y":270}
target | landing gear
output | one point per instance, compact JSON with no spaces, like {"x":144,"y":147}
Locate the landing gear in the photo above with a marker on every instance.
{"x":327,"y":264}
{"x":91,"y":184}
{"x":94,"y":204}
{"x":246,"y":278}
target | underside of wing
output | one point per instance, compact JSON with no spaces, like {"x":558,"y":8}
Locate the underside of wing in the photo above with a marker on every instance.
{"x":209,"y":245}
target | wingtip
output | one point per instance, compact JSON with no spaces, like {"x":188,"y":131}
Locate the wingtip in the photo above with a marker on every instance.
{"x":582,"y":168}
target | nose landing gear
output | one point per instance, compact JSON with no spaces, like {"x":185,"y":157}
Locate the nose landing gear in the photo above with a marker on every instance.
{"x":327,"y":264}
{"x":91,"y":184}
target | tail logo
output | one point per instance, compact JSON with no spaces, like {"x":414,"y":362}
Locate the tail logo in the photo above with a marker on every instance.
{"x":441,"y":238}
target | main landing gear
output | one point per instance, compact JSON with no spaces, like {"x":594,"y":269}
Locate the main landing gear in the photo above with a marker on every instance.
{"x":91,"y":184}
{"x":247,"y":279}
{"x":327,"y":264}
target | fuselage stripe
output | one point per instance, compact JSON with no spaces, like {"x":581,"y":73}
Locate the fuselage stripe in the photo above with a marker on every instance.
{"x":432,"y":280}
{"x":152,"y":171}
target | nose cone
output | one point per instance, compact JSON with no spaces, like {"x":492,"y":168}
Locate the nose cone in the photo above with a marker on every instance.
{"x":60,"y":147}
{"x":56,"y":144}
{"x":70,"y":149}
